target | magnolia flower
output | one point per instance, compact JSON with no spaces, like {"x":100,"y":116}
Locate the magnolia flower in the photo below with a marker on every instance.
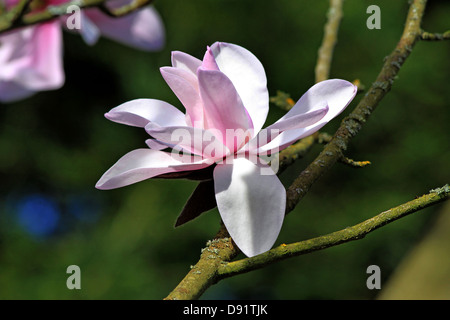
{"x":220,"y":140}
{"x":31,"y":57}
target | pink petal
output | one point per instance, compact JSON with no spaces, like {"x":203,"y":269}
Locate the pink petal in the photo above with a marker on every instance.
{"x":209,"y":62}
{"x":252,"y":206}
{"x":47,"y":43}
{"x":141,"y":164}
{"x":31,"y":60}
{"x":140,"y":112}
{"x":192,"y":140}
{"x":185,"y":86}
{"x":223,"y":108}
{"x":248,"y":77}
{"x":142,"y":29}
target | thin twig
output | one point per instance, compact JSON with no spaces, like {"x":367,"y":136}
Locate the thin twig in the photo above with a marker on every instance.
{"x":354,"y":164}
{"x":331,"y":28}
{"x":18,"y":11}
{"x":125,"y":9}
{"x":282,"y":100}
{"x":428,"y":36}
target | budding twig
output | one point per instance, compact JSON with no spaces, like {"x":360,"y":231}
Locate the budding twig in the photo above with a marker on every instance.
{"x":428,"y":36}
{"x":329,"y":40}
{"x":353,"y":163}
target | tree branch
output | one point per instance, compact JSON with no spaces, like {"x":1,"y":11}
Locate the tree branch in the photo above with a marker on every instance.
{"x":355,"y":232}
{"x":17,"y":16}
{"x":204,"y":273}
{"x":17,"y":11}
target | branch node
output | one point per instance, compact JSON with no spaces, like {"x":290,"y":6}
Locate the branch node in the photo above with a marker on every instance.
{"x":444,"y":191}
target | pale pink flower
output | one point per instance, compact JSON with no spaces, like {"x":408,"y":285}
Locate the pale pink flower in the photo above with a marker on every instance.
{"x":31,"y":57}
{"x":220,"y":139}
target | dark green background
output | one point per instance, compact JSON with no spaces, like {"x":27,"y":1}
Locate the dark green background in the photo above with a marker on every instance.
{"x":58,"y":144}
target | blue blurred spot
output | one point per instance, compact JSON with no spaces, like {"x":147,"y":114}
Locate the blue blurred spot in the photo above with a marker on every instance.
{"x":84,"y":208}
{"x":38,"y":215}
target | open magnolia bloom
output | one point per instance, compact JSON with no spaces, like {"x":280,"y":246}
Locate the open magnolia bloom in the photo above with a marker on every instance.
{"x":31,"y":57}
{"x":220,"y":140}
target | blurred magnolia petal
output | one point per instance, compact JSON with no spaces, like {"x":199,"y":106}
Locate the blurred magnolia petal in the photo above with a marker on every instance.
{"x":30,"y":61}
{"x":31,"y":57}
{"x":142,"y":29}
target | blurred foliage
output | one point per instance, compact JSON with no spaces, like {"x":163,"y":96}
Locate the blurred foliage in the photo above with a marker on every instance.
{"x":56,"y":145}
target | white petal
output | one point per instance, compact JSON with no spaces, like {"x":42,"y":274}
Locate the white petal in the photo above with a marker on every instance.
{"x":185,"y":62}
{"x":252,"y":205}
{"x":155,"y":144}
{"x":141,"y":164}
{"x":265,"y":136}
{"x":335,"y":93}
{"x":140,"y":112}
